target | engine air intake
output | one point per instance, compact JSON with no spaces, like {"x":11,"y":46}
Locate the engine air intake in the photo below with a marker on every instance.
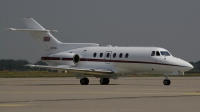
{"x":76,"y":59}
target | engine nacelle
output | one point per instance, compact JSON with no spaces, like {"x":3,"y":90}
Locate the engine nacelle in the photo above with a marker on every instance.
{"x":62,"y":58}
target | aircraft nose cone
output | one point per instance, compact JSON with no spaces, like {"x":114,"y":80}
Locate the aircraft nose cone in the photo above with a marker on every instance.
{"x":190,"y":66}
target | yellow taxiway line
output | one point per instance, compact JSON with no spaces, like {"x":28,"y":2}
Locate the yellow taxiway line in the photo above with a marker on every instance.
{"x":12,"y":105}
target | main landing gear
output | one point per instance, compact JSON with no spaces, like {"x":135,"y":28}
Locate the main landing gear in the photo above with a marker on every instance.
{"x":84,"y":81}
{"x":104,"y":81}
{"x":166,"y":81}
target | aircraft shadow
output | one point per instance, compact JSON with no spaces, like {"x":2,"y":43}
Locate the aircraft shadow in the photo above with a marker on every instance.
{"x":64,"y":84}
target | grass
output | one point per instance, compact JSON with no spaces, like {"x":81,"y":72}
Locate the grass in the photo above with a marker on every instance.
{"x":24,"y":74}
{"x":31,"y":74}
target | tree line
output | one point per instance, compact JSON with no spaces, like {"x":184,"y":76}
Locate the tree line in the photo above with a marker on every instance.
{"x":196,"y":66}
{"x":10,"y":64}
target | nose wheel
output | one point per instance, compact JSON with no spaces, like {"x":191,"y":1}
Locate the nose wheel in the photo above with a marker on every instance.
{"x":104,"y":81}
{"x":166,"y":81}
{"x":84,"y":81}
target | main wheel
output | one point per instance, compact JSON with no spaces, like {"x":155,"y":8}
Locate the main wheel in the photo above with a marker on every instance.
{"x":104,"y":81}
{"x":84,"y":81}
{"x":166,"y":82}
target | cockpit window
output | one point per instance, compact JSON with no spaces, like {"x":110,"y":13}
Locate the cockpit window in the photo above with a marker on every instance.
{"x":164,"y":53}
{"x":157,"y":53}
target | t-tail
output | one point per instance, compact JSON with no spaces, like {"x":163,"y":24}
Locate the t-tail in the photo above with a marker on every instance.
{"x":46,"y":42}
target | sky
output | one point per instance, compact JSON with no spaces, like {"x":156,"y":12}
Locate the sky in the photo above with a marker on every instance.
{"x":170,"y":24}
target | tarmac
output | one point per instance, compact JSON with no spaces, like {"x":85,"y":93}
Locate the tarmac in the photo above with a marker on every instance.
{"x":126,"y":94}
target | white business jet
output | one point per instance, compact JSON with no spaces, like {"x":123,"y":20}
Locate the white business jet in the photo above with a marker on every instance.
{"x":105,"y":62}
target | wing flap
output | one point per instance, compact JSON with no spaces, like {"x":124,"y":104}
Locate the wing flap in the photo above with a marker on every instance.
{"x":73,"y":69}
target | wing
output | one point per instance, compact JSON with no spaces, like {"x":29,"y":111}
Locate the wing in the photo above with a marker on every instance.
{"x":91,"y":71}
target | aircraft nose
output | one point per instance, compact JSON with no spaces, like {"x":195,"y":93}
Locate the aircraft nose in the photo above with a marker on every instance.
{"x":188,"y":66}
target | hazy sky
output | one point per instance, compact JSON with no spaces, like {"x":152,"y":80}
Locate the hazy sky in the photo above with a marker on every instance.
{"x":170,"y":24}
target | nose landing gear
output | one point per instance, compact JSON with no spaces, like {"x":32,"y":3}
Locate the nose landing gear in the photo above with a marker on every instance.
{"x":166,"y":81}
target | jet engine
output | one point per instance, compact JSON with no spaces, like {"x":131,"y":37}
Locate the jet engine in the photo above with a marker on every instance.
{"x":62,"y":58}
{"x":71,"y":58}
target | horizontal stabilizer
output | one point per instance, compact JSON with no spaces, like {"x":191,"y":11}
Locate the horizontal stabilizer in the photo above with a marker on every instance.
{"x":30,"y":30}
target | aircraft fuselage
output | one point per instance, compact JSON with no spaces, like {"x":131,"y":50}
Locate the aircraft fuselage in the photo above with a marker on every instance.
{"x":124,"y":60}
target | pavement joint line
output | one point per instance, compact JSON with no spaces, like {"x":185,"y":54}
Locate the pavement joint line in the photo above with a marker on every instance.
{"x":142,"y":93}
{"x":111,"y":98}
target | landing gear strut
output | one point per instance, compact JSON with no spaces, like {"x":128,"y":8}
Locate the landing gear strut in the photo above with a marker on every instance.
{"x":166,"y":81}
{"x":104,"y":81}
{"x":84,"y":81}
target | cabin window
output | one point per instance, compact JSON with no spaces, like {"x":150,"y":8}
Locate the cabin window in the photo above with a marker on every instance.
{"x":107,"y":55}
{"x":101,"y":54}
{"x":114,"y":55}
{"x":153,"y":53}
{"x":157,"y":53}
{"x":94,"y":55}
{"x":165,"y":53}
{"x":120,"y":55}
{"x":126,"y":56}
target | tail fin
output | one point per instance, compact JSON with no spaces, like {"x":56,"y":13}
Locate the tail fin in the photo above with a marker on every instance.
{"x":32,"y":24}
{"x":46,"y":42}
